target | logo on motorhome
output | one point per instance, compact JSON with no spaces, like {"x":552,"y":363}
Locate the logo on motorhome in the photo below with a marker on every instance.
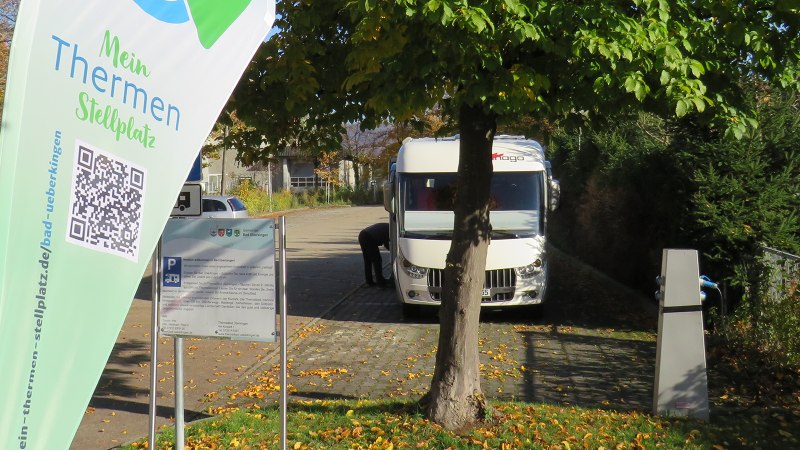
{"x":511,"y":158}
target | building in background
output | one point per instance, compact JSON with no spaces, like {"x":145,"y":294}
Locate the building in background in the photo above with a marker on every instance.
{"x":292,"y":170}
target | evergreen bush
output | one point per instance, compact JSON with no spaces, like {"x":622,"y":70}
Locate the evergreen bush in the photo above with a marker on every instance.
{"x":638,"y":185}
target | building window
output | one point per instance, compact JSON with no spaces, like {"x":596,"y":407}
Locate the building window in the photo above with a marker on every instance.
{"x":306,"y":182}
{"x":214,"y":183}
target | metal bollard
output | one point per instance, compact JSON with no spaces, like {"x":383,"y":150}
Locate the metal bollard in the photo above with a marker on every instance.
{"x":681,"y":383}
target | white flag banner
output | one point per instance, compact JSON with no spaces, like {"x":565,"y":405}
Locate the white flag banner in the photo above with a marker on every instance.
{"x":107,"y":106}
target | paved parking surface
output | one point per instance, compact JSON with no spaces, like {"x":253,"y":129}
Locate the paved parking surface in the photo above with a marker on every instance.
{"x":364,"y":348}
{"x":349,"y":340}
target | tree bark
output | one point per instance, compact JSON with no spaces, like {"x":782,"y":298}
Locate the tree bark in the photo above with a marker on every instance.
{"x":356,"y":175}
{"x":455,"y":399}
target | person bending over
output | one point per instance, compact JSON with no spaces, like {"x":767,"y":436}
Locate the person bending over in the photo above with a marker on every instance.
{"x":371,"y":239}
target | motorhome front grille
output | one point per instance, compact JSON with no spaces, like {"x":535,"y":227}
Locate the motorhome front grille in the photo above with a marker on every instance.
{"x":498,"y":285}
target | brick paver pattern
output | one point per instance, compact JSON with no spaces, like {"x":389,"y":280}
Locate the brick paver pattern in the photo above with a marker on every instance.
{"x":364,"y":348}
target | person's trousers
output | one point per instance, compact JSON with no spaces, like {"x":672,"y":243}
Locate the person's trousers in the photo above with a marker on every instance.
{"x":372,"y":260}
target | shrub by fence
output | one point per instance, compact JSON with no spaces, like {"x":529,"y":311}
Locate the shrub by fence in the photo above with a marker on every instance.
{"x":260,"y":202}
{"x":767,"y":321}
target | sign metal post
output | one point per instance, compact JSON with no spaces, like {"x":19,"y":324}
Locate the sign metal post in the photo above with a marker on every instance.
{"x":179,"y":417}
{"x":284,"y":330}
{"x":156,"y":280}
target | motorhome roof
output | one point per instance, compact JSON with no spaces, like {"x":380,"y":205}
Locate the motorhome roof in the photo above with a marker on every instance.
{"x":510,"y":153}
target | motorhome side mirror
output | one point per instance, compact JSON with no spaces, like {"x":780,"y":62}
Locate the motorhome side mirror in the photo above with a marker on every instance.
{"x":387,"y":197}
{"x":555,"y":194}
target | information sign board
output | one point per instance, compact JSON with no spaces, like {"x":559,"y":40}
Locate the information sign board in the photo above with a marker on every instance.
{"x":218,"y":279}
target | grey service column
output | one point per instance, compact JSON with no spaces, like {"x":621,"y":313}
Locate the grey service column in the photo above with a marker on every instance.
{"x":681,"y":383}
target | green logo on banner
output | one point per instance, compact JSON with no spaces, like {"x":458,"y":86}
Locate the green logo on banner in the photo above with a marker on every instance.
{"x":211,"y":17}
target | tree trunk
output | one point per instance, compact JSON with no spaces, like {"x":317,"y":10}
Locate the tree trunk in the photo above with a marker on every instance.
{"x":356,"y":175}
{"x":456,"y":400}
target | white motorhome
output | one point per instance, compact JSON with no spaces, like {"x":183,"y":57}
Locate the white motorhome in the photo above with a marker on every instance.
{"x":419,"y":199}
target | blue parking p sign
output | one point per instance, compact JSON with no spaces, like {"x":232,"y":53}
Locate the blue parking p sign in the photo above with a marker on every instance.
{"x":172,"y":271}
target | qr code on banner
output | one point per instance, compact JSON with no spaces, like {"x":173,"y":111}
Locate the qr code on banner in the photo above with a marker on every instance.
{"x":106,"y":202}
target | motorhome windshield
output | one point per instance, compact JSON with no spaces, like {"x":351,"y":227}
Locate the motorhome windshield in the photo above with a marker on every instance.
{"x":426,"y":202}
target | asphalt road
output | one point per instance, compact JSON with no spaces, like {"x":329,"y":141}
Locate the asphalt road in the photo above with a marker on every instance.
{"x":324,"y":264}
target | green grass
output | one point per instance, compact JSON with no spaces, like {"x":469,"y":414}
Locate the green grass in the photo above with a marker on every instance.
{"x":370,"y":424}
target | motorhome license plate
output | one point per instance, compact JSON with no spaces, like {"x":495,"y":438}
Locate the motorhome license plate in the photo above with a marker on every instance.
{"x":485,"y":293}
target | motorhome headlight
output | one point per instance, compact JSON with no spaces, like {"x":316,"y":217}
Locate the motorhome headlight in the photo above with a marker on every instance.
{"x":530,"y":270}
{"x":414,"y":271}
